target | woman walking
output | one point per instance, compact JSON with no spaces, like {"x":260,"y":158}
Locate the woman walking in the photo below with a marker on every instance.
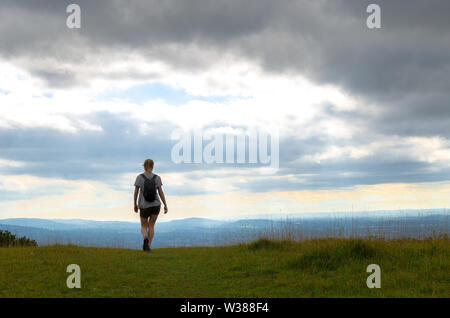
{"x":148,"y":186}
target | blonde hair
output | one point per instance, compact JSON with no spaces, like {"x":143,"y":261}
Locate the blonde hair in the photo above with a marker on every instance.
{"x":148,"y":163}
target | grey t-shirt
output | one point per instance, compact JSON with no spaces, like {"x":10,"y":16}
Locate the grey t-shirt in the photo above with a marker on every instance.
{"x":142,"y":203}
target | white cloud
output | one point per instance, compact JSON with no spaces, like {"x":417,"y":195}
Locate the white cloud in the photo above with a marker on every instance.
{"x":291,"y":103}
{"x":11,"y":163}
{"x":430,"y":149}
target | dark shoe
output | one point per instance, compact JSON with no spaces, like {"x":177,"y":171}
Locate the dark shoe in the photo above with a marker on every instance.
{"x":145,"y":246}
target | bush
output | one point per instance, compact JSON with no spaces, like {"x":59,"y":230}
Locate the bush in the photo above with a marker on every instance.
{"x":8,"y":239}
{"x":264,"y":244}
{"x":332,"y":256}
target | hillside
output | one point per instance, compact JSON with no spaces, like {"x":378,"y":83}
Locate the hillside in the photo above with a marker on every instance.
{"x":315,"y":268}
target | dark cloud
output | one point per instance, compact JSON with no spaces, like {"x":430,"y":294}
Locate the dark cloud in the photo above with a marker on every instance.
{"x":346,"y":172}
{"x":326,"y":40}
{"x":54,"y":79}
{"x":94,"y":155}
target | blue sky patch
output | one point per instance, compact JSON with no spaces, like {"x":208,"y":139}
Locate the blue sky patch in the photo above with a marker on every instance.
{"x":140,"y":94}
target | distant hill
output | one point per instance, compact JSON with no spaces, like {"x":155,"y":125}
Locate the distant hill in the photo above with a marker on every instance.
{"x":209,"y":232}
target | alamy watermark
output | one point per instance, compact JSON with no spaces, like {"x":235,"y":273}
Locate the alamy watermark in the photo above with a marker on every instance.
{"x":258,"y":147}
{"x":73,"y":21}
{"x":74,"y":279}
{"x":374,"y":279}
{"x":374,"y":19}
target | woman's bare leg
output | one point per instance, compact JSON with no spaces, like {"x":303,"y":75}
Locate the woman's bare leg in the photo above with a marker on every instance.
{"x":144,"y":227}
{"x":151,"y":228}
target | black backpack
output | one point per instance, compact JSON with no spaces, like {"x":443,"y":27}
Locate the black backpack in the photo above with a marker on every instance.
{"x":149,"y":188}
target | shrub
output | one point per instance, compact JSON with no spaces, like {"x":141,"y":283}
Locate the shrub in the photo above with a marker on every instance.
{"x":332,"y":256}
{"x":8,"y":239}
{"x":264,"y":243}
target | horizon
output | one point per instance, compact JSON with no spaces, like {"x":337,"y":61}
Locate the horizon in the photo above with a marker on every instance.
{"x":274,"y":217}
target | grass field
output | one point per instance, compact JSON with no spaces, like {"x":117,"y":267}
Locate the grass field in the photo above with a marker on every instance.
{"x":315,"y":268}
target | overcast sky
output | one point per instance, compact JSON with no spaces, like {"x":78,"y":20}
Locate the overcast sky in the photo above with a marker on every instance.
{"x":363,"y":114}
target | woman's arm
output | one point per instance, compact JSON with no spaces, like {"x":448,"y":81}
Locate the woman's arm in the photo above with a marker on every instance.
{"x":163,"y":198}
{"x":136,"y":191}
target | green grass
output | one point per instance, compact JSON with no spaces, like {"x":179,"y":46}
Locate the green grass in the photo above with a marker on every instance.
{"x":315,"y":268}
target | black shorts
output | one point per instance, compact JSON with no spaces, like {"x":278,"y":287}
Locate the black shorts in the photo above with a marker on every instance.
{"x":153,"y":210}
